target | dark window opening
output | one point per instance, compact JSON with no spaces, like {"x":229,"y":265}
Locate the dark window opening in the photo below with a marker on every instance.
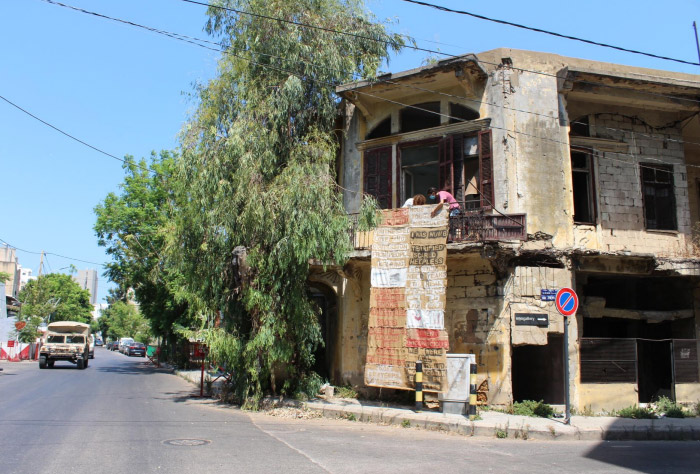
{"x":659,"y":197}
{"x":582,"y":182}
{"x":642,"y":293}
{"x":327,"y":311}
{"x":538,"y":371}
{"x":580,"y":127}
{"x":383,"y":129}
{"x":420,"y":116}
{"x":460,"y":113}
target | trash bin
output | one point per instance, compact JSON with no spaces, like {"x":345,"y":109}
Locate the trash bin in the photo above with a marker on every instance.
{"x":454,"y":401}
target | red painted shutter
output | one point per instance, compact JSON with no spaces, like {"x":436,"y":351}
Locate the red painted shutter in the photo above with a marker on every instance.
{"x":377,"y":175}
{"x":486,"y":169}
{"x":445,"y":163}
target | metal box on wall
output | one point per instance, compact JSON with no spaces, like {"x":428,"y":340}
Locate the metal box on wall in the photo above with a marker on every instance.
{"x":454,"y":400}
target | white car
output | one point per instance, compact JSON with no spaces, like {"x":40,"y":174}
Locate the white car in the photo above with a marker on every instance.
{"x":124,"y":343}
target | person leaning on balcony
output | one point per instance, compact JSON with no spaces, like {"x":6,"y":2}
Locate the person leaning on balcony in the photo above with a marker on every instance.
{"x":417,"y":200}
{"x":436,"y":197}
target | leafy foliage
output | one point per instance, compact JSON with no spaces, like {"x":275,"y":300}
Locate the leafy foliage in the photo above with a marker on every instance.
{"x":122,"y":319}
{"x":131,"y":226}
{"x":257,"y":172}
{"x":55,"y":297}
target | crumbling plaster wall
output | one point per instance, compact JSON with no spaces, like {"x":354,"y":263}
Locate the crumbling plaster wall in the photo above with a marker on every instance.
{"x":522,"y":294}
{"x":351,"y":159}
{"x":620,"y":206}
{"x":475,"y":322}
{"x":354,"y":319}
{"x":531,"y":166}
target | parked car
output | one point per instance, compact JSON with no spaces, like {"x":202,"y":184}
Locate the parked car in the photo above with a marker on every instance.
{"x":136,"y":348}
{"x":123,"y":343}
{"x":91,"y":341}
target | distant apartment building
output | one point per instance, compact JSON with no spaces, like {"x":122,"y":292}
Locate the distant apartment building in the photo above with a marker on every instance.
{"x":25,"y":276}
{"x":10,"y":265}
{"x":87,"y":279}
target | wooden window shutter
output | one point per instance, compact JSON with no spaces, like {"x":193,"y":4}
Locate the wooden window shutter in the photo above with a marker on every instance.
{"x":486,"y":169}
{"x":445,"y":163}
{"x":377,"y":175}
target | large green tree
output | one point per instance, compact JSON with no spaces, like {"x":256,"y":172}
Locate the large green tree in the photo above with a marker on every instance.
{"x":131,"y":225}
{"x":122,"y":319}
{"x":257,"y":172}
{"x":55,"y":297}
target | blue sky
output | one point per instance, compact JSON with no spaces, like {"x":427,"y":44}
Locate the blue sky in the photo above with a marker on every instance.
{"x":126,"y":91}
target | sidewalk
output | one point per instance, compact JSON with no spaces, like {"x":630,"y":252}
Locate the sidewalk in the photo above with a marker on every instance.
{"x":500,"y":425}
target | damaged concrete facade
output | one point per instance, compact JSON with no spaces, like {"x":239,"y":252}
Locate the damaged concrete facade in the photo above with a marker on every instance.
{"x":570,"y":173}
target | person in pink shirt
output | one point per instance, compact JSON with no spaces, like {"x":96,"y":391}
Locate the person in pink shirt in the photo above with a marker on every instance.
{"x":436,"y":197}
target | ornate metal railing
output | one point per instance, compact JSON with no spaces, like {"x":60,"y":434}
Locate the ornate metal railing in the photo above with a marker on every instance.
{"x":473,"y":226}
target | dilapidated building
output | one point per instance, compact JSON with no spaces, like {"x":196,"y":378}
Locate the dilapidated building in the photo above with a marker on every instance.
{"x":569,"y":173}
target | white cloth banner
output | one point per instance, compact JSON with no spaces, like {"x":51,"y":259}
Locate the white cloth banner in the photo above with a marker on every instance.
{"x":389,"y":277}
{"x":425,"y":319}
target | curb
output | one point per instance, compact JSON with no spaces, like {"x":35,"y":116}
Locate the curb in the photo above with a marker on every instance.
{"x":461,"y":425}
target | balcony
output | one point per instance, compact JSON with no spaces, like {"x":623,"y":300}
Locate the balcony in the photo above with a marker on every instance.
{"x":470,"y":226}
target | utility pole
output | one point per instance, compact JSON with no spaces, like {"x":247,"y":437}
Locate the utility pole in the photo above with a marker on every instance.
{"x":41,"y":262}
{"x":697,"y":44}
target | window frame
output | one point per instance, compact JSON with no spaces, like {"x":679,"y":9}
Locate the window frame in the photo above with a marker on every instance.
{"x":592,"y":194}
{"x":672,"y":194}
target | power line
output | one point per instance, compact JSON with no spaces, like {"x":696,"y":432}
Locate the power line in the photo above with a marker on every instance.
{"x":52,"y":253}
{"x":303,"y":77}
{"x":559,"y":35}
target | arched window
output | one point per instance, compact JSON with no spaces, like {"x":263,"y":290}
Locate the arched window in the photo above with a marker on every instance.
{"x":420,"y":116}
{"x":383,"y":129}
{"x":460,"y":113}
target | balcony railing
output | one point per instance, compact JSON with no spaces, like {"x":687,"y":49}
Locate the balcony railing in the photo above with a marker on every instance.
{"x":471,"y":226}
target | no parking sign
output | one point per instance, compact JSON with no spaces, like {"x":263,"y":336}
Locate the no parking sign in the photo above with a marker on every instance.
{"x":566,"y":301}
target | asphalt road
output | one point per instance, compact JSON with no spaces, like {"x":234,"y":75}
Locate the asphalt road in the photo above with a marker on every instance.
{"x":122,"y":415}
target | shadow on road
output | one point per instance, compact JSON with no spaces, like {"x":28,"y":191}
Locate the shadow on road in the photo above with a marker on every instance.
{"x":133,"y":369}
{"x":181,"y":396}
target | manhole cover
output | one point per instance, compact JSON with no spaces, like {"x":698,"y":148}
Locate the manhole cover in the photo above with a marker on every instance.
{"x":187,"y":442}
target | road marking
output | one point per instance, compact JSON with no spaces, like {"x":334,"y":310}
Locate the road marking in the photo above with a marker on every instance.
{"x":288,"y":445}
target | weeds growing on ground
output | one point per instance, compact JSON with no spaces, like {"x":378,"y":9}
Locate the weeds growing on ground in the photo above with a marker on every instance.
{"x":635,"y":412}
{"x":345,"y":392}
{"x":530,"y":408}
{"x":406,"y":423}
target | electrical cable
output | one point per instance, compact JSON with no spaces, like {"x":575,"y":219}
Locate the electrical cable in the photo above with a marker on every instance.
{"x":559,"y":35}
{"x":387,"y":42}
{"x":197,"y":41}
{"x":179,"y":37}
{"x":69,"y":135}
{"x":52,"y":253}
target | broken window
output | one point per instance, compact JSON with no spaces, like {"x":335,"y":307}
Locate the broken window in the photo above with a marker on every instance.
{"x":420,"y":116}
{"x":659,"y":198}
{"x":580,"y":127}
{"x":460,"y":113}
{"x":383,"y":129}
{"x":582,"y":183}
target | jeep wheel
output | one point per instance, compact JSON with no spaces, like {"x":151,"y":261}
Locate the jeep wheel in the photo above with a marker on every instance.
{"x":81,"y":364}
{"x":86,"y":363}
{"x":42,"y":362}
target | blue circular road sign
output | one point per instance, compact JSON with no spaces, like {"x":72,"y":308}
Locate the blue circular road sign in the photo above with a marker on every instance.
{"x":566,"y":301}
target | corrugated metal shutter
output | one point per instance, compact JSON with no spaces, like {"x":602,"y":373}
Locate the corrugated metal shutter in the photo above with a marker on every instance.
{"x":605,"y":360}
{"x":685,"y":360}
